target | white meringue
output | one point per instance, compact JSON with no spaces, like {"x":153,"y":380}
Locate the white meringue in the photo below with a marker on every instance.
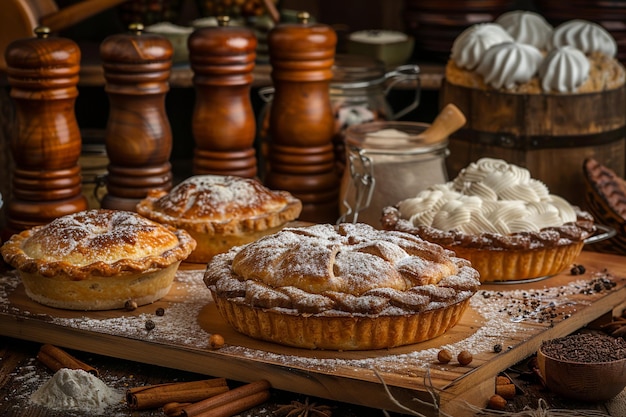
{"x":509,"y":63}
{"x":469,"y":47}
{"x":527,"y":27}
{"x":587,"y":36}
{"x":564,"y":70}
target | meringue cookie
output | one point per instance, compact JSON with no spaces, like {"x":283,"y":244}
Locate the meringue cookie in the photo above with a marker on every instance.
{"x":509,"y":63}
{"x":469,"y":47}
{"x":587,"y":36}
{"x":527,"y":27}
{"x":564,"y":69}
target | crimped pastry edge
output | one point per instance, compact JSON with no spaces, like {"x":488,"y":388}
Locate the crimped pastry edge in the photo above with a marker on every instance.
{"x":496,"y":264}
{"x":64,"y":271}
{"x":236,"y":226}
{"x":340,"y":332}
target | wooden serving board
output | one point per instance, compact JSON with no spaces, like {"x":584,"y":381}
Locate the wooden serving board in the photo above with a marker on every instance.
{"x":516,"y":316}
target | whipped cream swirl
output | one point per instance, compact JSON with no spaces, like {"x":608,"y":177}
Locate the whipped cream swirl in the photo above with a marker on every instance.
{"x":564,"y":69}
{"x":470,"y":46}
{"x":527,"y":27}
{"x":488,"y":196}
{"x":506,"y":64}
{"x":587,"y":36}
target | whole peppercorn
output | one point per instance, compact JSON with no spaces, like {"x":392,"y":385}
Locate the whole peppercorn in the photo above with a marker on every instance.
{"x":464,"y":358}
{"x":160,"y":311}
{"x":497,"y":348}
{"x":130,"y":305}
{"x":150,"y":325}
{"x":444,"y":356}
{"x":216,"y":341}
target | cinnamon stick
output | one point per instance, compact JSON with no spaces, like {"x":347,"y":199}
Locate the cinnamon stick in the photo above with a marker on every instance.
{"x":241,"y":399}
{"x":56,"y":358}
{"x":154,"y":396}
{"x":174,"y":409}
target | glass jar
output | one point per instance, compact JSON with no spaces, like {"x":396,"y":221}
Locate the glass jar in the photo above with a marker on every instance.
{"x":387,"y":163}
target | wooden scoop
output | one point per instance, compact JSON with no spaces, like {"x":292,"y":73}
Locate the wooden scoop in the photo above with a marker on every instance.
{"x":448,"y":121}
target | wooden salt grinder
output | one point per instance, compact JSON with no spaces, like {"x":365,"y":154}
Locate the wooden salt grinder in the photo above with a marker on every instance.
{"x":223,"y":124}
{"x":301,"y":122}
{"x":43,"y":74}
{"x":138,"y":135}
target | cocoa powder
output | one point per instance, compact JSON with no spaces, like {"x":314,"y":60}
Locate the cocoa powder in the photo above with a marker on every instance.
{"x":585,"y":347}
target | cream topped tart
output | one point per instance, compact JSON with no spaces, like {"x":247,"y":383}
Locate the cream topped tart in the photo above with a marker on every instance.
{"x":494,"y":214}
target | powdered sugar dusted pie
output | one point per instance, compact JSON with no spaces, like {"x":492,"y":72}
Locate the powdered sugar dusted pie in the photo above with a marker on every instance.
{"x":344,"y":287}
{"x":493,"y":213}
{"x":221,"y":211}
{"x":97,"y":259}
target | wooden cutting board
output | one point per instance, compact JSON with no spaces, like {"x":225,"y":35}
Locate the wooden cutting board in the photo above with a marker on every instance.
{"x":516,"y":316}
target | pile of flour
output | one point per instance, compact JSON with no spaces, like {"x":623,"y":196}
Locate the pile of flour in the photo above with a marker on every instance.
{"x":76,"y":390}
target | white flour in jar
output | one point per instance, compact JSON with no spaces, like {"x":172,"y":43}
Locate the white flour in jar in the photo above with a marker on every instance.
{"x":76,"y":390}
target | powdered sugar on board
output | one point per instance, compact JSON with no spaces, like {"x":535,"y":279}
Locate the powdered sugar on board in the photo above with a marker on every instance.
{"x":504,"y":314}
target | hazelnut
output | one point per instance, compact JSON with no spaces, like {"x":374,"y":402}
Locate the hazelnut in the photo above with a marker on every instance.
{"x":130,"y":305}
{"x":216,"y":341}
{"x":464,"y":358}
{"x":444,"y":356}
{"x":496,"y":402}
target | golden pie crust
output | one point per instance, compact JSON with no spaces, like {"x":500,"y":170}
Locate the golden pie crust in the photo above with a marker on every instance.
{"x":97,"y":259}
{"x":221,"y":211}
{"x":344,"y":287}
{"x":515,"y":257}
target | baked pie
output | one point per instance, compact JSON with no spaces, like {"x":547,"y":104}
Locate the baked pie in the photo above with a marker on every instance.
{"x":504,"y":222}
{"x":97,"y":259}
{"x":343,"y":287}
{"x":221,"y":211}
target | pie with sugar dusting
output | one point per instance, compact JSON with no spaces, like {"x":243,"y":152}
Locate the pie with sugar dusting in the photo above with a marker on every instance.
{"x":344,"y":287}
{"x":97,"y":259}
{"x":221,"y":211}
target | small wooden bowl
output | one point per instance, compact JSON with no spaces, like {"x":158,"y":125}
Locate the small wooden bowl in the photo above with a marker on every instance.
{"x":585,"y":381}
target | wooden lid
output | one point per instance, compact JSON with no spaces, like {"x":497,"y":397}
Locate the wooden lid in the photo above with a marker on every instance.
{"x":222,"y":44}
{"x":136,"y":47}
{"x":302,"y":46}
{"x":42,"y":56}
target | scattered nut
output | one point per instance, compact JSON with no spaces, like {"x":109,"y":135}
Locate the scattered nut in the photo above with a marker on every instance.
{"x":150,"y":325}
{"x":160,"y":311}
{"x":444,"y":356}
{"x":503,"y":380}
{"x":216,"y":341}
{"x":506,"y":391}
{"x":130,"y":305}
{"x":496,"y":402}
{"x":464,"y":358}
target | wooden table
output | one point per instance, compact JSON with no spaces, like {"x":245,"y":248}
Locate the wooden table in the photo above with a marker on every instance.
{"x":180,"y":340}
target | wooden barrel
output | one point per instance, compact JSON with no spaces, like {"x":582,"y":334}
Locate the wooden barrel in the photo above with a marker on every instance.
{"x":550,"y":135}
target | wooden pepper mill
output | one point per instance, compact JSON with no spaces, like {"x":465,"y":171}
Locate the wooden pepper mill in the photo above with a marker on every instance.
{"x":301,"y":122}
{"x":43,"y":74}
{"x":138,"y":135}
{"x":223,"y":123}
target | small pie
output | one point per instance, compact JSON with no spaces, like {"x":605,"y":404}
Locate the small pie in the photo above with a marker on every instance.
{"x":221,"y":211}
{"x":97,"y":259}
{"x":343,"y":287}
